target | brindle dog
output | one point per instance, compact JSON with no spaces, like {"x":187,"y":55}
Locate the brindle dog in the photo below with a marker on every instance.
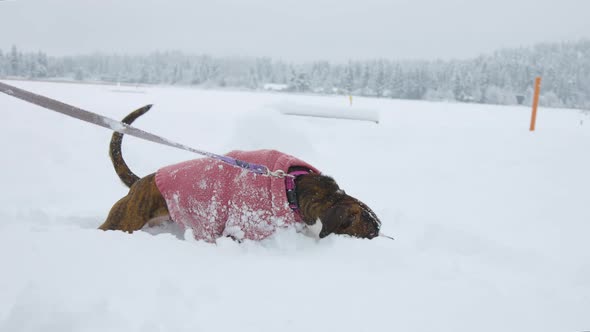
{"x":319,"y":198}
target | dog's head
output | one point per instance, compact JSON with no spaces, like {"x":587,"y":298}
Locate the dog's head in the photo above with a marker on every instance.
{"x":351,"y":217}
{"x":320,"y":198}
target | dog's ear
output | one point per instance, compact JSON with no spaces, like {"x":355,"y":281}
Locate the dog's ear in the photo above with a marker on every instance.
{"x":337,"y":218}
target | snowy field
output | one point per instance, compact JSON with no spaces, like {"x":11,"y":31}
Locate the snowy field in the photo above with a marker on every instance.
{"x":491,"y":222}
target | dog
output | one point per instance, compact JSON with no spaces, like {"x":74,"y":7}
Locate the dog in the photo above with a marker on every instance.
{"x":235,"y":203}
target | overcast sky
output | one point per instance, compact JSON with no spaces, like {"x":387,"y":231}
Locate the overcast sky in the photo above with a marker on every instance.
{"x":297,"y":30}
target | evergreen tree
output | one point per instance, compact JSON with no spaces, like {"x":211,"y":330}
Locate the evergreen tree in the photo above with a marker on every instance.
{"x":347,"y":81}
{"x":2,"y":69}
{"x":364,"y":81}
{"x":496,"y":78}
{"x":379,"y":85}
{"x":79,"y":76}
{"x":396,"y":83}
{"x":42,"y":64}
{"x":14,"y":62}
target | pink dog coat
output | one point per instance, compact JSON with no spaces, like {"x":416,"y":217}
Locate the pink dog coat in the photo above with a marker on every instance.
{"x":215,"y":199}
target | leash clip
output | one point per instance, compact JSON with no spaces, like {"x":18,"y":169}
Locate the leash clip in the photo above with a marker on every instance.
{"x":278,"y":174}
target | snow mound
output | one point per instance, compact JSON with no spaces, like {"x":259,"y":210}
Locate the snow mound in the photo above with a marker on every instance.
{"x":329,"y":112}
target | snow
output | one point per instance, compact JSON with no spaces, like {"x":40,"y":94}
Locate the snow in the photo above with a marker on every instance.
{"x":275,"y":87}
{"x":339,"y":112}
{"x":115,"y":126}
{"x":490,"y":221}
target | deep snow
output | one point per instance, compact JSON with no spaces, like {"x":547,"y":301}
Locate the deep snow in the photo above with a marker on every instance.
{"x":491,"y":221}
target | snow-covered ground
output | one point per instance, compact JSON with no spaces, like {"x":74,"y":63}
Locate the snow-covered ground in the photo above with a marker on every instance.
{"x":491,"y":221}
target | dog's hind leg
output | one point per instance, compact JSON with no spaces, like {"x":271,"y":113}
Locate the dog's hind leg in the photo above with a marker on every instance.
{"x":142,"y":204}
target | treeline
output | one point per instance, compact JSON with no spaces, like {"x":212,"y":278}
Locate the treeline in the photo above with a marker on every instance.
{"x":505,"y":77}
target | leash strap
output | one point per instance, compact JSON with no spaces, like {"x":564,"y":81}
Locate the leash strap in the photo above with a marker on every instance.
{"x":126,"y":129}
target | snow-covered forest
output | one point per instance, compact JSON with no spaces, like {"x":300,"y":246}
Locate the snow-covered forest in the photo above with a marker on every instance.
{"x":504,"y":77}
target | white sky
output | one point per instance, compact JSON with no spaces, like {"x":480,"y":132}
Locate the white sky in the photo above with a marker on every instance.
{"x":297,"y":30}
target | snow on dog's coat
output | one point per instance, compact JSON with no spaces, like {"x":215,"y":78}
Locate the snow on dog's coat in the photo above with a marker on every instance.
{"x":215,"y":200}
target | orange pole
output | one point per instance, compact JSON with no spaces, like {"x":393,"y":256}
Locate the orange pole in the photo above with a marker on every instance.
{"x":535,"y":102}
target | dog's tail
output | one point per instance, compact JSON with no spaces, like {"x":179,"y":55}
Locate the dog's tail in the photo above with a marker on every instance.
{"x":123,"y":171}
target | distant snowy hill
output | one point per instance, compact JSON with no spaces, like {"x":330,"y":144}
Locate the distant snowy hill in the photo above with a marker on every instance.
{"x":491,"y":221}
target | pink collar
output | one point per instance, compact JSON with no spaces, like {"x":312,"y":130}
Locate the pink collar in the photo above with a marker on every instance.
{"x":292,"y":194}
